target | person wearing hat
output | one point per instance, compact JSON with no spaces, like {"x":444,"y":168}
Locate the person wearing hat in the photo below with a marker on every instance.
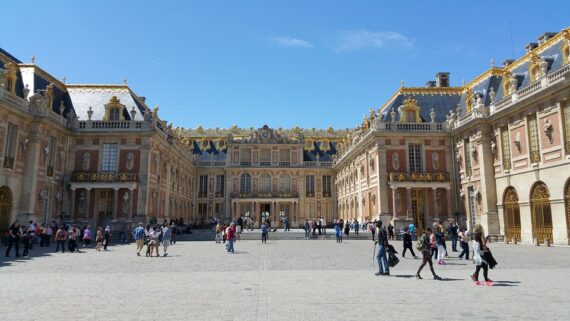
{"x":138,"y":235}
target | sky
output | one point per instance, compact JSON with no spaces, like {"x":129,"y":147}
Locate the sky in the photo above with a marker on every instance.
{"x":289,"y":63}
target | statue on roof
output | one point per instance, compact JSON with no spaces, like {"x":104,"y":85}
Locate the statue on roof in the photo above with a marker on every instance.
{"x":372,"y":114}
{"x":155,"y":112}
{"x":365,"y":124}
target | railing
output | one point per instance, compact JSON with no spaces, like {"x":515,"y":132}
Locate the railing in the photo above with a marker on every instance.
{"x":284,"y":164}
{"x":212,"y":163}
{"x":418,"y":177}
{"x":99,"y":177}
{"x":265,"y":195}
{"x":244,"y":163}
{"x":411,"y":127}
{"x":219,"y":194}
{"x":23,"y":105}
{"x":265,"y":164}
{"x":310,"y":194}
{"x":202,"y":194}
{"x":14,"y":100}
{"x":100,"y":125}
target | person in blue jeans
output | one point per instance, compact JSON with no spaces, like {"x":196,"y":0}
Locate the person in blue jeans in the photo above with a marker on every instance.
{"x":464,"y":243}
{"x":264,"y":231}
{"x":381,"y":245}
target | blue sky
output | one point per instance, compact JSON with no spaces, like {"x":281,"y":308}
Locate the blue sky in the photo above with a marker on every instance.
{"x":281,"y":63}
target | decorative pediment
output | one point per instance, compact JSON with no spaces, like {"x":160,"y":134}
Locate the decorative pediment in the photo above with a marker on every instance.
{"x":114,"y":110}
{"x":410,"y":111}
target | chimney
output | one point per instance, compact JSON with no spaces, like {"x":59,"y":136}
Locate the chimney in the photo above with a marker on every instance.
{"x":442,"y":79}
{"x":530,"y":46}
{"x":431,"y":83}
{"x":507,"y":62}
{"x":545,"y":37}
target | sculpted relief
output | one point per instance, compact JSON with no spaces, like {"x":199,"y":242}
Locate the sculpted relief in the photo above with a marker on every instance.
{"x":396,"y":161}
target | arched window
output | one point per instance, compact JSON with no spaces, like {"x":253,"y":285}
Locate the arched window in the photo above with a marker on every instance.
{"x":284,"y":183}
{"x":265,"y":183}
{"x":245,"y":183}
{"x":541,"y":213}
{"x":512,"y":214}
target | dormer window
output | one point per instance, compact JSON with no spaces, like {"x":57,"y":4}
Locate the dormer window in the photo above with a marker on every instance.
{"x":114,"y":110}
{"x":114,"y":114}
{"x":410,"y":111}
{"x":566,"y":52}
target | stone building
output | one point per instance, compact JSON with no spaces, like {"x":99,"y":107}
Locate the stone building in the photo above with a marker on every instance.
{"x":493,"y":151}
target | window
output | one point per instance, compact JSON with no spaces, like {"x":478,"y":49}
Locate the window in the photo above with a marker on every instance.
{"x":114,"y":114}
{"x":10,"y":151}
{"x":220,"y":182}
{"x":51,"y":157}
{"x":533,"y":137}
{"x":245,"y":183}
{"x":327,"y":191}
{"x":284,"y":157}
{"x":506,"y":148}
{"x":203,"y":188}
{"x":265,"y":157}
{"x":203,"y":210}
{"x":467,"y":153}
{"x":284,"y":183}
{"x":310,"y":185}
{"x":109,"y":158}
{"x":265,"y":183}
{"x":415,"y":157}
{"x":245,"y":155}
{"x":566,"y":113}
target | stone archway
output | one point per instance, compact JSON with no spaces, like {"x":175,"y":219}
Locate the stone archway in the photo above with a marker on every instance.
{"x":512,"y":214}
{"x":541,"y":212}
{"x":5,"y":208}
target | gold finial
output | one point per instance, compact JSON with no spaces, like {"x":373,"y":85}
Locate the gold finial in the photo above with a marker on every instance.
{"x":402,"y":83}
{"x":463,"y":82}
{"x":33,"y":59}
{"x":125,"y":81}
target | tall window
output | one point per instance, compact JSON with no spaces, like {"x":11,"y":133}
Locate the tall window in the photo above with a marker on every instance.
{"x":467,"y":153}
{"x":203,"y":188}
{"x":506,"y":148}
{"x":310,"y":185}
{"x":265,"y":157}
{"x":115,"y":114}
{"x":265,"y":183}
{"x":220,"y":182}
{"x":109,"y":157}
{"x":51,"y":157}
{"x":533,"y":137}
{"x":203,"y":210}
{"x":10,"y":151}
{"x":327,"y":187}
{"x":284,"y":183}
{"x":566,"y":112}
{"x":245,"y":183}
{"x":245,"y":156}
{"x":415,"y":157}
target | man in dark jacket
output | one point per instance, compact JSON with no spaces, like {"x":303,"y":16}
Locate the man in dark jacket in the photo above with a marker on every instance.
{"x":381,"y":246}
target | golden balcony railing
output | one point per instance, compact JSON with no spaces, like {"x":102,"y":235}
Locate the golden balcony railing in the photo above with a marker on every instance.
{"x":418,"y":177}
{"x":102,"y":177}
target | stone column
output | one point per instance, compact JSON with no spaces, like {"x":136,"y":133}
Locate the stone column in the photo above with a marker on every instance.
{"x":394,"y":204}
{"x":32,"y":158}
{"x":87,"y":202}
{"x":434,"y":200}
{"x":72,"y":205}
{"x":409,"y":203}
{"x":115,"y":203}
{"x":449,"y":204}
{"x":489,"y":212}
{"x":131,"y":203}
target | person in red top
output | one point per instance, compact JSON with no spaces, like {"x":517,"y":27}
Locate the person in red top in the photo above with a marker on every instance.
{"x":230,"y":237}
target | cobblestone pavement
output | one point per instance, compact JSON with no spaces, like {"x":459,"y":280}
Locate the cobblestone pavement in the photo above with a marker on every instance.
{"x":282,"y":280}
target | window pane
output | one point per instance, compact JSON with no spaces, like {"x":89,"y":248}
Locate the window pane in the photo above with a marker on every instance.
{"x":109,"y":157}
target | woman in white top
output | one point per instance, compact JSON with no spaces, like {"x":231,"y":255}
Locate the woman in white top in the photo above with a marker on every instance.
{"x":479,"y":246}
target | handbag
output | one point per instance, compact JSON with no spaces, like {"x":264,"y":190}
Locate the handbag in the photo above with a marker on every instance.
{"x":393,"y":260}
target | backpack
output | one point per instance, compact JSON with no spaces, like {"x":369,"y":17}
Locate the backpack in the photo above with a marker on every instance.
{"x":420,"y":245}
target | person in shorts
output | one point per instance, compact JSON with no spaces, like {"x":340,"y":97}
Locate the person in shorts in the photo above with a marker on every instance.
{"x":166,"y":234}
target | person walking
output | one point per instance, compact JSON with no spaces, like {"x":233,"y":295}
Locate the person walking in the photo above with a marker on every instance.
{"x":307,"y":228}
{"x":424,"y":247}
{"x":452,"y":230}
{"x":231,"y":235}
{"x":412,"y":229}
{"x":372,"y":228}
{"x":154,"y":241}
{"x":106,"y":237}
{"x":347,"y":228}
{"x":99,"y":238}
{"x":356,"y":227}
{"x":72,"y":242}
{"x":338,"y":232}
{"x":286,"y":224}
{"x":166,"y":234}
{"x":60,"y":238}
{"x":138,"y":235}
{"x":381,"y":246}
{"x":26,"y":239}
{"x":407,"y":240}
{"x":479,"y":246}
{"x":264,"y":231}
{"x":440,"y":239}
{"x":324,"y":225}
{"x":87,"y":237}
{"x":14,"y":239}
{"x":464,"y":244}
{"x":391,"y":231}
{"x":49,"y":233}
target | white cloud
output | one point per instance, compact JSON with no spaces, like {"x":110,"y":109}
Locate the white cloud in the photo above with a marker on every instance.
{"x":350,"y":40}
{"x":289,"y":42}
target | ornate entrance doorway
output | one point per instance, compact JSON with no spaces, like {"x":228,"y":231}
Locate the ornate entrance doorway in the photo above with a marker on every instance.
{"x":5,"y":206}
{"x":418,"y":201}
{"x":541,"y":213}
{"x":512,"y":214}
{"x":264,"y":207}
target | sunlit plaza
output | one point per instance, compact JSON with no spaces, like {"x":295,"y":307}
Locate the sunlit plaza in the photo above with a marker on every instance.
{"x":239,"y":121}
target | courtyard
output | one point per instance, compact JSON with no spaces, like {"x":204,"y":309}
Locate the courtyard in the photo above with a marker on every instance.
{"x":282,"y":280}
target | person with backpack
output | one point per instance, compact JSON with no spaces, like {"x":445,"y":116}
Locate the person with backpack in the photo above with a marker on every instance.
{"x":407,"y":240}
{"x":440,"y":239}
{"x":264,"y":232}
{"x":423,"y":245}
{"x":13,"y":238}
{"x":381,"y":247}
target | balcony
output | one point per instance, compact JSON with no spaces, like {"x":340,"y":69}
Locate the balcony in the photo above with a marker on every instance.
{"x":102,"y":126}
{"x":410,"y":127}
{"x":99,"y":177}
{"x":8,"y":162}
{"x":202,"y":194}
{"x":418,"y":177}
{"x":265,"y":195}
{"x":211,"y":163}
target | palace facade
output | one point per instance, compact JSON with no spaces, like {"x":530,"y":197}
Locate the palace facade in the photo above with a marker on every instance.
{"x":494,"y":151}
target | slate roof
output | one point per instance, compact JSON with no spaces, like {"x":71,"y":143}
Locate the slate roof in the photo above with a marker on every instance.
{"x":97,"y":96}
{"x":441,"y":102}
